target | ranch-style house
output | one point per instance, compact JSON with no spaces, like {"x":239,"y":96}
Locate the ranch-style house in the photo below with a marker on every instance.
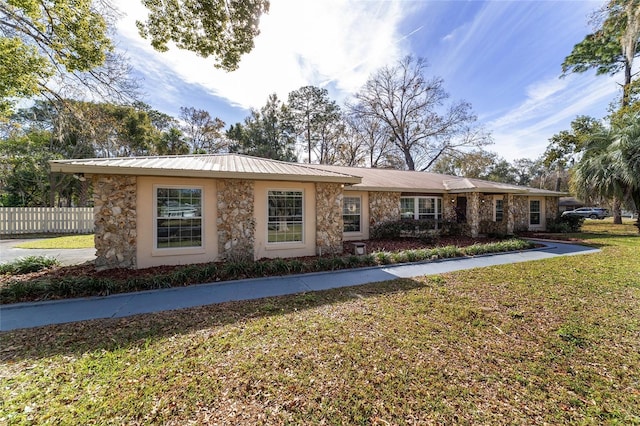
{"x":169,"y":210}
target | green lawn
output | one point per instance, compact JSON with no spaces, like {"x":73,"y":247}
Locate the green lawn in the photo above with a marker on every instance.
{"x":554,"y":341}
{"x":66,"y":242}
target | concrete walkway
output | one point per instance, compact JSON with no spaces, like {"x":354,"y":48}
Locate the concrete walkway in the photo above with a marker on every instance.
{"x":9,"y":252}
{"x":26,"y":315}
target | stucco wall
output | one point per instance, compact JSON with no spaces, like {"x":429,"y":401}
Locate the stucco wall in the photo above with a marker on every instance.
{"x":364,"y":218}
{"x":264,"y":249}
{"x":383,"y":206}
{"x":235,"y":219}
{"x":329,"y":223}
{"x":115,"y":211}
{"x":147,"y":253}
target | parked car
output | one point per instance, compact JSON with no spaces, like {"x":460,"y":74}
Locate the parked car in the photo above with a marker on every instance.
{"x":588,"y":212}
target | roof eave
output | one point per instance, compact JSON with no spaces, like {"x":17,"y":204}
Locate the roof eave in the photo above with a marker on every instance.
{"x":138,"y":171}
{"x":394,"y":189}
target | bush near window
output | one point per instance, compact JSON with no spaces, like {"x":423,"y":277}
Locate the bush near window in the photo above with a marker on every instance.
{"x":416,"y":228}
{"x":565,"y":224}
{"x":402,"y":228}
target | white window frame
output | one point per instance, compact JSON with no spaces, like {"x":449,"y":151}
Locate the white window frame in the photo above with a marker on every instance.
{"x":539,"y":212}
{"x":278,"y":223}
{"x":438,"y":206}
{"x":358,"y":213}
{"x":157,"y":217}
{"x":496,"y":199}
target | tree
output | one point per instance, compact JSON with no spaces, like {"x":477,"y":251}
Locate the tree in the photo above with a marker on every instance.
{"x":474,"y":164}
{"x":224,"y":29}
{"x":265,"y":133}
{"x":172,"y":142}
{"x":314,"y":118}
{"x":612,"y":47}
{"x":161,"y":121}
{"x":564,"y":148}
{"x":24,"y":163}
{"x":525,"y":170}
{"x":477,"y":164}
{"x":411,"y":108}
{"x":610,"y":166}
{"x":370,"y":141}
{"x":59,"y":49}
{"x":202,"y":131}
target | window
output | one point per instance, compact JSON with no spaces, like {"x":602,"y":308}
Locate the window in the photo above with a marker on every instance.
{"x":178,"y":217}
{"x":351,"y":207}
{"x":285,"y":223}
{"x":534,"y":212}
{"x":498,"y":211}
{"x":407,"y":207}
{"x":422,"y":208}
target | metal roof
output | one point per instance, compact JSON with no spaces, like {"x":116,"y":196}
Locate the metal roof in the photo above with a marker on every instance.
{"x":392,"y":180}
{"x":412,"y":181}
{"x":204,"y":165}
{"x":245,"y":167}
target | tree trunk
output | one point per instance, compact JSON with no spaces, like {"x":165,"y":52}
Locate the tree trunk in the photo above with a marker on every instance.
{"x":617,"y":211}
{"x":626,"y":89}
{"x":411,"y":165}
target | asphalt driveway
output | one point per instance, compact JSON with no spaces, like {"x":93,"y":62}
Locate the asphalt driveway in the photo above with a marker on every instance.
{"x":9,"y":252}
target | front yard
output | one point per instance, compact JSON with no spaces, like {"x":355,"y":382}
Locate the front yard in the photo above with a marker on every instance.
{"x":552,"y":341}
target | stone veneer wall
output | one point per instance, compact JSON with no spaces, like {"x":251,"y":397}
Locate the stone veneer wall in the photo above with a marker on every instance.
{"x":486,"y":207}
{"x":329,"y":222}
{"x":509,"y":213}
{"x":487,"y":224}
{"x":473,"y":213}
{"x":449,"y":206}
{"x":552,"y":208}
{"x":520,"y":213}
{"x":114,"y":199}
{"x":383,"y":207}
{"x":235,"y":222}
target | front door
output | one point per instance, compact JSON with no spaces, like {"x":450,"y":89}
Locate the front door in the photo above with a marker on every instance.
{"x":461,"y":210}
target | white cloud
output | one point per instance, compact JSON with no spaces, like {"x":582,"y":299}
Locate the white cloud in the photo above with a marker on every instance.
{"x":336,"y":43}
{"x":550,"y":106}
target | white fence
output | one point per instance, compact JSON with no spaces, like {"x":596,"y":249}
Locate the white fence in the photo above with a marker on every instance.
{"x":36,"y":220}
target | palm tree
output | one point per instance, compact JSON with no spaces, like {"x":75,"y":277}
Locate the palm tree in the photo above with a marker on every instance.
{"x":610,"y":165}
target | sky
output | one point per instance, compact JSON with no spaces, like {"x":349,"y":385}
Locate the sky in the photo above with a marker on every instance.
{"x":504,"y":57}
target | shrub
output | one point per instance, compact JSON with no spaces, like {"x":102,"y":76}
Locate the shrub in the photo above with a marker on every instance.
{"x":502,"y":246}
{"x":403,"y":228}
{"x":565,"y":224}
{"x":27,"y":265}
{"x":386,"y":230}
{"x":43,"y":288}
{"x":383,"y":258}
{"x":453,"y":228}
{"x":399,"y":257}
{"x":447,"y":252}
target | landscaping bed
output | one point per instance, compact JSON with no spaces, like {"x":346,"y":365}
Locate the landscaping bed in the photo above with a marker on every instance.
{"x":84,"y":280}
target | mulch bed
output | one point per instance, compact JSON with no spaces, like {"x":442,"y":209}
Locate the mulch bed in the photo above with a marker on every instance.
{"x":372,"y":246}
